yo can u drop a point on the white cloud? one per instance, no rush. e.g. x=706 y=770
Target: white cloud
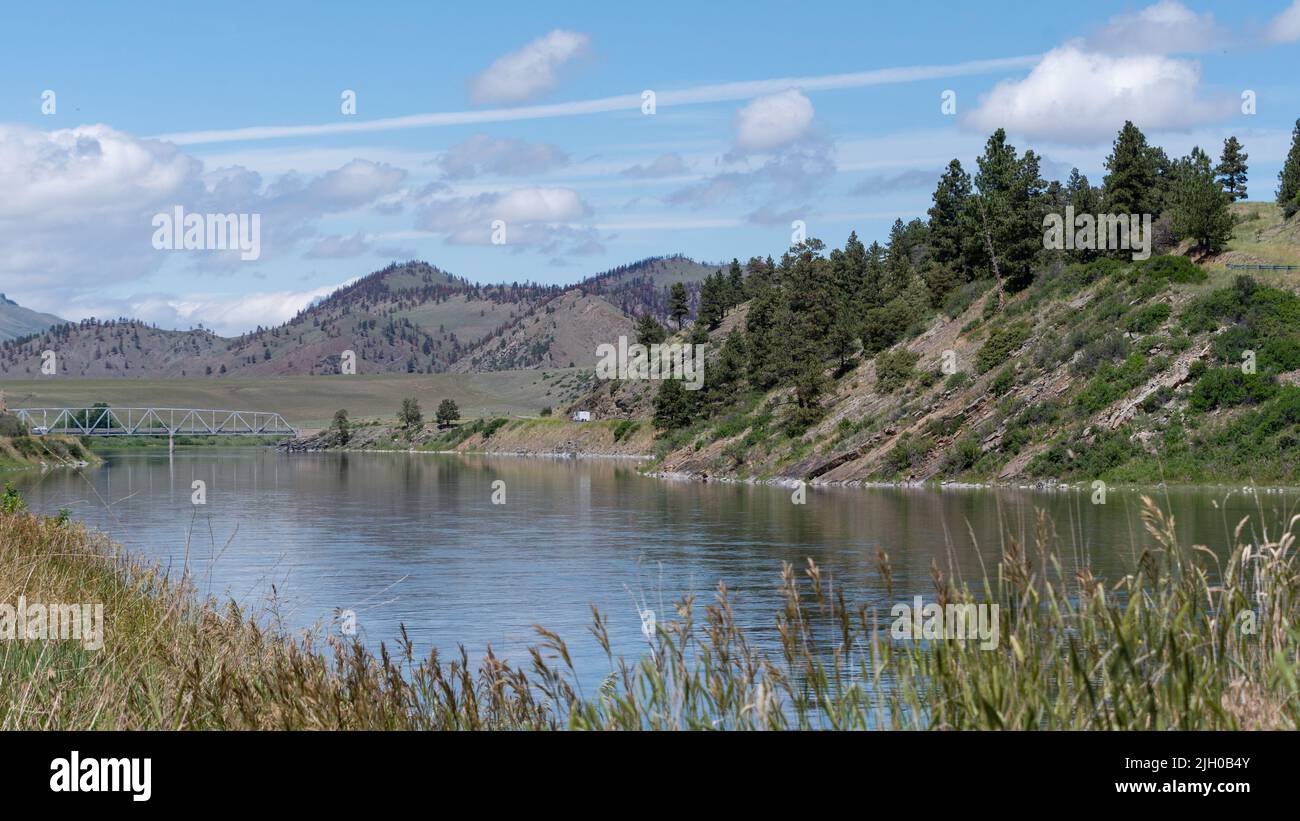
x=77 y=202
x=1285 y=28
x=228 y=315
x=1076 y=96
x=1167 y=27
x=532 y=217
x=506 y=156
x=532 y=70
x=773 y=121
x=77 y=206
x=89 y=169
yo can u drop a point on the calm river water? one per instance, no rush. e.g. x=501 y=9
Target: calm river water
x=416 y=539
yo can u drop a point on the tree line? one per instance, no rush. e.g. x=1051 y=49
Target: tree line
x=812 y=312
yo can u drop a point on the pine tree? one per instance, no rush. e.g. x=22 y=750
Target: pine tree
x=847 y=269
x=949 y=224
x=678 y=305
x=342 y=430
x=712 y=301
x=1288 y=192
x=873 y=280
x=1161 y=199
x=726 y=374
x=409 y=414
x=1009 y=210
x=768 y=353
x=1080 y=194
x=1232 y=170
x=448 y=412
x=672 y=405
x=735 y=284
x=649 y=331
x=1130 y=182
x=809 y=290
x=1200 y=204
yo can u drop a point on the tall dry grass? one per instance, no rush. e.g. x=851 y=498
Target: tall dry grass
x=1162 y=647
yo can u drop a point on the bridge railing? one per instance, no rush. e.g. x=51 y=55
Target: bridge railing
x=1237 y=266
x=103 y=421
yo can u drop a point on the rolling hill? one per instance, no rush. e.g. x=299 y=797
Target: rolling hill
x=406 y=318
x=16 y=321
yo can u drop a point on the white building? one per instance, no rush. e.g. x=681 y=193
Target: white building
x=582 y=416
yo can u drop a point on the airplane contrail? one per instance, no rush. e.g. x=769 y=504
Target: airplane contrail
x=720 y=92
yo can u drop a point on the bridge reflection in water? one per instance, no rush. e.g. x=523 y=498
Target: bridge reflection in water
x=168 y=422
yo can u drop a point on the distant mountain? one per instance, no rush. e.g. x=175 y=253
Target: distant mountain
x=405 y=318
x=16 y=321
x=643 y=286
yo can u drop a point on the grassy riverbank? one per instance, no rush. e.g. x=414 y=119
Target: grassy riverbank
x=18 y=452
x=1167 y=646
x=547 y=435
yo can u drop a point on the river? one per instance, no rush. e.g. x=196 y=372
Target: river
x=417 y=539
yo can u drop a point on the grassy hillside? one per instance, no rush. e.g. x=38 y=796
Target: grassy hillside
x=309 y=402
x=407 y=318
x=16 y=321
x=1110 y=370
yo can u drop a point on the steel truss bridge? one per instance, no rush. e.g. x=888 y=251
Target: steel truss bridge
x=169 y=422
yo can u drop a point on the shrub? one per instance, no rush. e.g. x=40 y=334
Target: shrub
x=1280 y=355
x=1229 y=387
x=12 y=501
x=10 y=425
x=1173 y=268
x=959 y=300
x=894 y=369
x=1107 y=349
x=886 y=325
x=963 y=456
x=624 y=428
x=1158 y=399
x=1112 y=382
x=1148 y=318
x=907 y=454
x=1003 y=382
x=999 y=345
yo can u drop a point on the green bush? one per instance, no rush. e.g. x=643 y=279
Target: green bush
x=1173 y=268
x=1229 y=387
x=10 y=425
x=1003 y=382
x=999 y=345
x=894 y=369
x=1147 y=319
x=1280 y=355
x=959 y=300
x=1112 y=382
x=1109 y=348
x=907 y=454
x=624 y=428
x=963 y=456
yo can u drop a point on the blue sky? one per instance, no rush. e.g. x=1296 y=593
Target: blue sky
x=150 y=100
